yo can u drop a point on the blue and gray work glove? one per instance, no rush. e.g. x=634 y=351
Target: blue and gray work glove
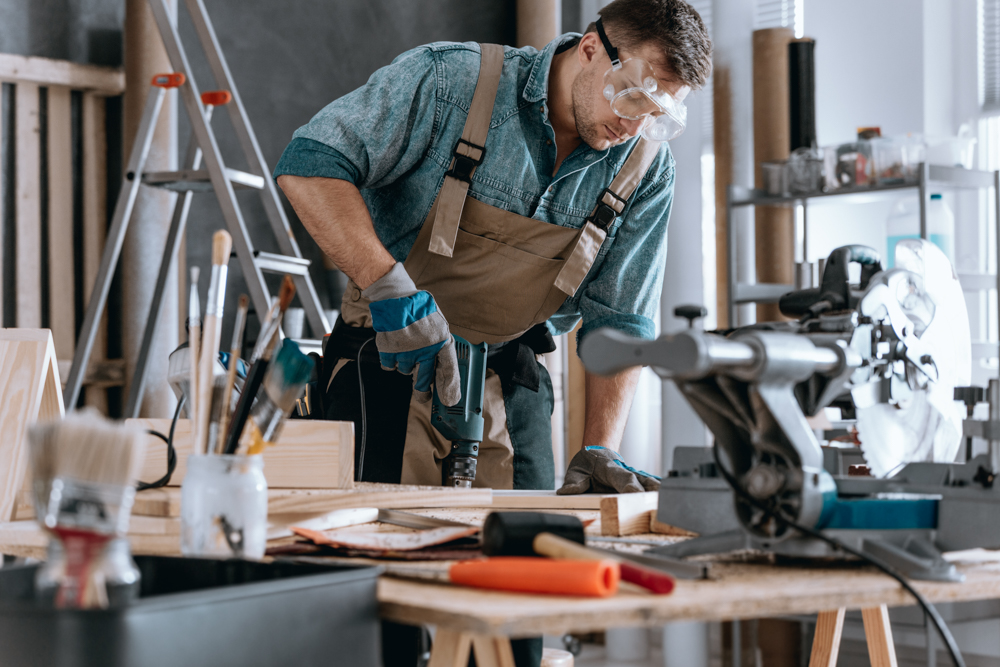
x=601 y=470
x=411 y=334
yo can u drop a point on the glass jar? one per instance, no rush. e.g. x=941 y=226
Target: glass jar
x=224 y=506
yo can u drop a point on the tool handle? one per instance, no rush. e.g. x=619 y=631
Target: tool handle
x=250 y=388
x=526 y=574
x=547 y=544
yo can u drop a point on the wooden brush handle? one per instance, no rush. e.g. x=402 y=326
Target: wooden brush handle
x=547 y=544
x=222 y=244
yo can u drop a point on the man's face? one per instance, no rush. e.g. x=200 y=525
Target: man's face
x=598 y=126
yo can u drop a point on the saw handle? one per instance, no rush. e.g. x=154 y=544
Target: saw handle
x=834 y=292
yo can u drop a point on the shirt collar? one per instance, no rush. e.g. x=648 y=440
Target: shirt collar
x=537 y=87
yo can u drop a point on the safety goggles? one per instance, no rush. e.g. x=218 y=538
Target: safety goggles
x=634 y=93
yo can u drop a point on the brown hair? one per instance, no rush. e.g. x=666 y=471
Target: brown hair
x=672 y=25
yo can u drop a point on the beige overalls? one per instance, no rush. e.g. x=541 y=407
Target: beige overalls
x=494 y=275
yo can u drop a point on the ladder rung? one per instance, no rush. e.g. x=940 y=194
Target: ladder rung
x=107 y=373
x=275 y=263
x=198 y=180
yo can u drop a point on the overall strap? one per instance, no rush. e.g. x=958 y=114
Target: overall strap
x=469 y=153
x=610 y=203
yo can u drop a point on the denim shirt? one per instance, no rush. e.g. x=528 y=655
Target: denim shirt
x=394 y=138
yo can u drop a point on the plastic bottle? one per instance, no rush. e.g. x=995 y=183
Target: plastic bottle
x=904 y=223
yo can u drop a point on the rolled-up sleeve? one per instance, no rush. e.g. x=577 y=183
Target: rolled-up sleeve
x=625 y=295
x=375 y=134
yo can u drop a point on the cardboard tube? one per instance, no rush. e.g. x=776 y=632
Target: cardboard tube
x=775 y=226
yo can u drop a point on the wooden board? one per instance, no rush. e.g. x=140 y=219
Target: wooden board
x=95 y=222
x=826 y=640
x=628 y=513
x=878 y=633
x=310 y=454
x=62 y=308
x=546 y=500
x=28 y=217
x=736 y=590
x=29 y=391
x=49 y=72
x=167 y=502
x=27 y=539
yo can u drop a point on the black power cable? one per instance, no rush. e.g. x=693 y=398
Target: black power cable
x=171 y=452
x=364 y=417
x=929 y=609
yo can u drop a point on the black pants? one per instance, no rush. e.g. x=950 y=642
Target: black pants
x=380 y=436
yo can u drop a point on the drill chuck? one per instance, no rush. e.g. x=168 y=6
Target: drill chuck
x=460 y=465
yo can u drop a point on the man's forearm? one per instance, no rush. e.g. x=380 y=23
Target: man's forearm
x=334 y=213
x=608 y=400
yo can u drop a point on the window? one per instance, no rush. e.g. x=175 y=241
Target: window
x=779 y=14
x=989 y=55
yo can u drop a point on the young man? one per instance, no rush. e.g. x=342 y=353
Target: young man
x=501 y=195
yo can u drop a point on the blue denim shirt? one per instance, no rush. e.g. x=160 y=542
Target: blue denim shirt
x=394 y=139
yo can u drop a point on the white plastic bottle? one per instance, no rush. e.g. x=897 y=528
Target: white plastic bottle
x=904 y=223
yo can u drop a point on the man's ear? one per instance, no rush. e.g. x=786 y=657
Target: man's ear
x=589 y=49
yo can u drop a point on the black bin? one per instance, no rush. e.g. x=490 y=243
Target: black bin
x=194 y=612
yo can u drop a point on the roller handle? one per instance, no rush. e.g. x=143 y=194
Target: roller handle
x=590 y=578
x=546 y=544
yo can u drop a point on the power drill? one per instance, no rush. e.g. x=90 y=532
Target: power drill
x=463 y=423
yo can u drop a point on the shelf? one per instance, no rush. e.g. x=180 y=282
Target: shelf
x=955 y=176
x=973 y=282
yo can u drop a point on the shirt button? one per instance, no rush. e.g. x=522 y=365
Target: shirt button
x=542 y=109
x=356 y=294
x=550 y=189
x=548 y=141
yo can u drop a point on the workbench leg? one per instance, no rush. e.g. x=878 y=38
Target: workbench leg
x=492 y=651
x=881 y=650
x=826 y=641
x=450 y=649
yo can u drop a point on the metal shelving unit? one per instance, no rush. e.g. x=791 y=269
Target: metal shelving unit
x=737 y=196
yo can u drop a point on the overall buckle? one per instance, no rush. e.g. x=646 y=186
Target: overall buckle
x=604 y=215
x=465 y=165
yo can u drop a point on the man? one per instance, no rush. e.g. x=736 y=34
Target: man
x=501 y=195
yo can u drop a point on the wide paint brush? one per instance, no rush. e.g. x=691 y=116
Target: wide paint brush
x=84 y=470
x=222 y=244
x=258 y=369
x=286 y=377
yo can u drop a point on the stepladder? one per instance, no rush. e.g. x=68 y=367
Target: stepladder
x=215 y=177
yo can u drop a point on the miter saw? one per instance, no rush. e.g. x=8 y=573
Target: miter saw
x=889 y=349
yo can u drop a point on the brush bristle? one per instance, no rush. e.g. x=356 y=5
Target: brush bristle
x=87 y=447
x=287 y=293
x=222 y=247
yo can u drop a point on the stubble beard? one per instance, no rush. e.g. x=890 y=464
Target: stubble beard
x=590 y=131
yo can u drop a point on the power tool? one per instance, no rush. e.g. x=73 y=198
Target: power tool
x=463 y=423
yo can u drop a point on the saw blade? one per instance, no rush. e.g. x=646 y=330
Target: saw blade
x=927 y=425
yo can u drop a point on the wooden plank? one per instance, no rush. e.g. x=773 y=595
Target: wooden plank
x=826 y=641
x=310 y=454
x=62 y=307
x=492 y=651
x=660 y=528
x=28 y=391
x=736 y=590
x=48 y=72
x=628 y=513
x=878 y=632
x=28 y=218
x=167 y=501
x=27 y=537
x=95 y=222
x=544 y=500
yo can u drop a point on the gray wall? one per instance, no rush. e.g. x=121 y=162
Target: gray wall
x=288 y=58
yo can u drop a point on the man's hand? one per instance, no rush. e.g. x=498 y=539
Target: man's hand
x=411 y=334
x=600 y=470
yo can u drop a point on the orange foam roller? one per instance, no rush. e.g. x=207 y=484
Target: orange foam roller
x=591 y=578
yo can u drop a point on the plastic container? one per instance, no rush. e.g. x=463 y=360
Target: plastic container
x=224 y=506
x=904 y=223
x=953 y=151
x=202 y=613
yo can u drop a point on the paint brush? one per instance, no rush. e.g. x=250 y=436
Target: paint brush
x=222 y=244
x=194 y=340
x=84 y=470
x=234 y=359
x=286 y=377
x=258 y=369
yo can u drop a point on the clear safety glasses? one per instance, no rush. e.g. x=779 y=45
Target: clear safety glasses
x=634 y=93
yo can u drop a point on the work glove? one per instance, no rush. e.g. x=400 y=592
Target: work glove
x=601 y=470
x=411 y=334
